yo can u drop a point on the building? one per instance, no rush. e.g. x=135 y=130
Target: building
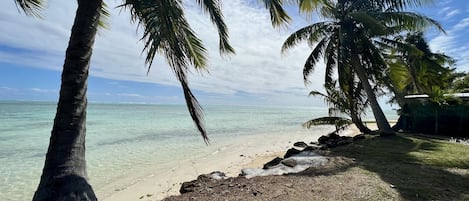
x=450 y=116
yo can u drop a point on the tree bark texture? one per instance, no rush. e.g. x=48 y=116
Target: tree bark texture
x=64 y=175
x=359 y=124
x=381 y=121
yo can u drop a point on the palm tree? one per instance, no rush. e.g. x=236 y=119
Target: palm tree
x=350 y=102
x=414 y=68
x=166 y=31
x=348 y=40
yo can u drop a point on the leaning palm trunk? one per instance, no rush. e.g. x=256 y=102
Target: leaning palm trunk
x=359 y=123
x=64 y=176
x=381 y=120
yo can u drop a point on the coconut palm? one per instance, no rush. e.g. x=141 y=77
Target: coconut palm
x=165 y=31
x=350 y=102
x=414 y=68
x=348 y=41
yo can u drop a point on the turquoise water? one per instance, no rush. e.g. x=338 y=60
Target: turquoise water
x=122 y=135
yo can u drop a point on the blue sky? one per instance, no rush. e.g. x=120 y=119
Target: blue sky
x=32 y=53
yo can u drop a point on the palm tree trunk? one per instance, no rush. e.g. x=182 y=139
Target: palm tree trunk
x=381 y=121
x=359 y=124
x=64 y=176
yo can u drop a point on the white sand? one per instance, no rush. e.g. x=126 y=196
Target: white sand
x=249 y=151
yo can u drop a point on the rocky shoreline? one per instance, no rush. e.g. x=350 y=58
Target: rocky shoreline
x=303 y=157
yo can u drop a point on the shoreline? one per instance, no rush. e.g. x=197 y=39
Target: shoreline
x=228 y=157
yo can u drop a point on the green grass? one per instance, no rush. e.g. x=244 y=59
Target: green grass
x=418 y=167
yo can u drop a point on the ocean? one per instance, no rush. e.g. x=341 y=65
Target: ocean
x=126 y=138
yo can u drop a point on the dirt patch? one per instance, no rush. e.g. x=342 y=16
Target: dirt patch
x=340 y=179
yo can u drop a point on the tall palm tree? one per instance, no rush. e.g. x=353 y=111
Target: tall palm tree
x=165 y=31
x=348 y=40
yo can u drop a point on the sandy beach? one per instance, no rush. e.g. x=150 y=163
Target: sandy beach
x=250 y=151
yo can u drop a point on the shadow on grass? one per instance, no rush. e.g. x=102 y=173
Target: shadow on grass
x=419 y=168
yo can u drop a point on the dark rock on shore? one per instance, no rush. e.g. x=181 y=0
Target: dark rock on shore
x=272 y=163
x=290 y=162
x=333 y=140
x=190 y=186
x=300 y=144
x=325 y=138
x=291 y=152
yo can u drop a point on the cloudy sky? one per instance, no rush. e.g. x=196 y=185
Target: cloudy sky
x=32 y=54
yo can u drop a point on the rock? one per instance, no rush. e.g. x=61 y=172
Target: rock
x=358 y=137
x=333 y=140
x=216 y=175
x=311 y=148
x=272 y=163
x=294 y=164
x=323 y=139
x=291 y=152
x=330 y=143
x=333 y=136
x=189 y=186
x=290 y=162
x=314 y=143
x=300 y=144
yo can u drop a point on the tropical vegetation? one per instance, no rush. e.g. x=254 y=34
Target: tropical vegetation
x=414 y=68
x=165 y=31
x=351 y=103
x=350 y=40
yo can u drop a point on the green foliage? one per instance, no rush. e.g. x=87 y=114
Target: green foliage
x=414 y=68
x=278 y=15
x=349 y=40
x=340 y=123
x=459 y=83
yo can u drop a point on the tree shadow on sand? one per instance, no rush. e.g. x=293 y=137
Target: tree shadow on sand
x=418 y=168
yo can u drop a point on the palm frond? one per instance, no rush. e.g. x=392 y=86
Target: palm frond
x=372 y=24
x=337 y=121
x=278 y=15
x=307 y=6
x=402 y=4
x=213 y=7
x=104 y=16
x=166 y=31
x=310 y=33
x=313 y=58
x=331 y=58
x=409 y=21
x=317 y=93
x=31 y=7
x=193 y=105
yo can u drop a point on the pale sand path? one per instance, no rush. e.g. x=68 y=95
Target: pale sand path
x=249 y=151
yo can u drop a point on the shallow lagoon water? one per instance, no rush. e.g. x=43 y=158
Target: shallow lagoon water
x=126 y=138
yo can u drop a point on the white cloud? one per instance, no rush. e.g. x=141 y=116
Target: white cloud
x=257 y=68
x=38 y=90
x=451 y=13
x=454 y=43
x=7 y=89
x=130 y=95
x=464 y=23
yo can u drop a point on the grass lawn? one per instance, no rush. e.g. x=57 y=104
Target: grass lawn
x=419 y=168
